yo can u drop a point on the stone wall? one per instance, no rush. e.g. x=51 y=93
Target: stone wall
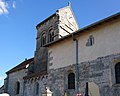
x=40 y=60
x=106 y=42
x=30 y=85
x=99 y=71
x=13 y=78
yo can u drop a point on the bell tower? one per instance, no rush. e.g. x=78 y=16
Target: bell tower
x=58 y=25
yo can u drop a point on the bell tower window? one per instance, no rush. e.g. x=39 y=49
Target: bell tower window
x=43 y=39
x=51 y=35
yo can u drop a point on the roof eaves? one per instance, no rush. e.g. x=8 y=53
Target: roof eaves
x=20 y=66
x=45 y=20
x=39 y=74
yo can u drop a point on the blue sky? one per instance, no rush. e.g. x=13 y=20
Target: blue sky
x=18 y=19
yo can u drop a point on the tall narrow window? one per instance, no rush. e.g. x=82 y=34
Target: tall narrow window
x=17 y=87
x=37 y=88
x=51 y=35
x=90 y=41
x=43 y=39
x=117 y=73
x=71 y=81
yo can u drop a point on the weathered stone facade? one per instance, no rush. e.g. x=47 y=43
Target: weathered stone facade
x=100 y=71
x=59 y=24
x=12 y=81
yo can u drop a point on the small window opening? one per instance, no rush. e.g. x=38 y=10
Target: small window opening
x=17 y=87
x=37 y=88
x=90 y=41
x=71 y=81
x=117 y=73
x=43 y=39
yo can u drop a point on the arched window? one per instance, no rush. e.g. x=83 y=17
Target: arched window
x=17 y=87
x=51 y=35
x=37 y=88
x=71 y=81
x=43 y=39
x=117 y=73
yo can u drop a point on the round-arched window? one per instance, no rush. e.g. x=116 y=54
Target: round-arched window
x=51 y=35
x=17 y=87
x=43 y=39
x=71 y=81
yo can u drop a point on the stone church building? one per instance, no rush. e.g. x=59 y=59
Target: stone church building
x=67 y=57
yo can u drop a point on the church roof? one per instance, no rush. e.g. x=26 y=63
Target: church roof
x=45 y=20
x=94 y=25
x=1 y=89
x=37 y=74
x=51 y=16
x=20 y=66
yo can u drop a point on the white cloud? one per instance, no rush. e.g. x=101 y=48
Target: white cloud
x=14 y=5
x=1 y=78
x=3 y=7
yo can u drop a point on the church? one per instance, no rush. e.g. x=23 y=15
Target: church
x=67 y=58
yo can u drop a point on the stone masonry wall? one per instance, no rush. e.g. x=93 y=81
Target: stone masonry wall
x=13 y=78
x=100 y=71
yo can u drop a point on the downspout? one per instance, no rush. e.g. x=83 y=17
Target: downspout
x=76 y=66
